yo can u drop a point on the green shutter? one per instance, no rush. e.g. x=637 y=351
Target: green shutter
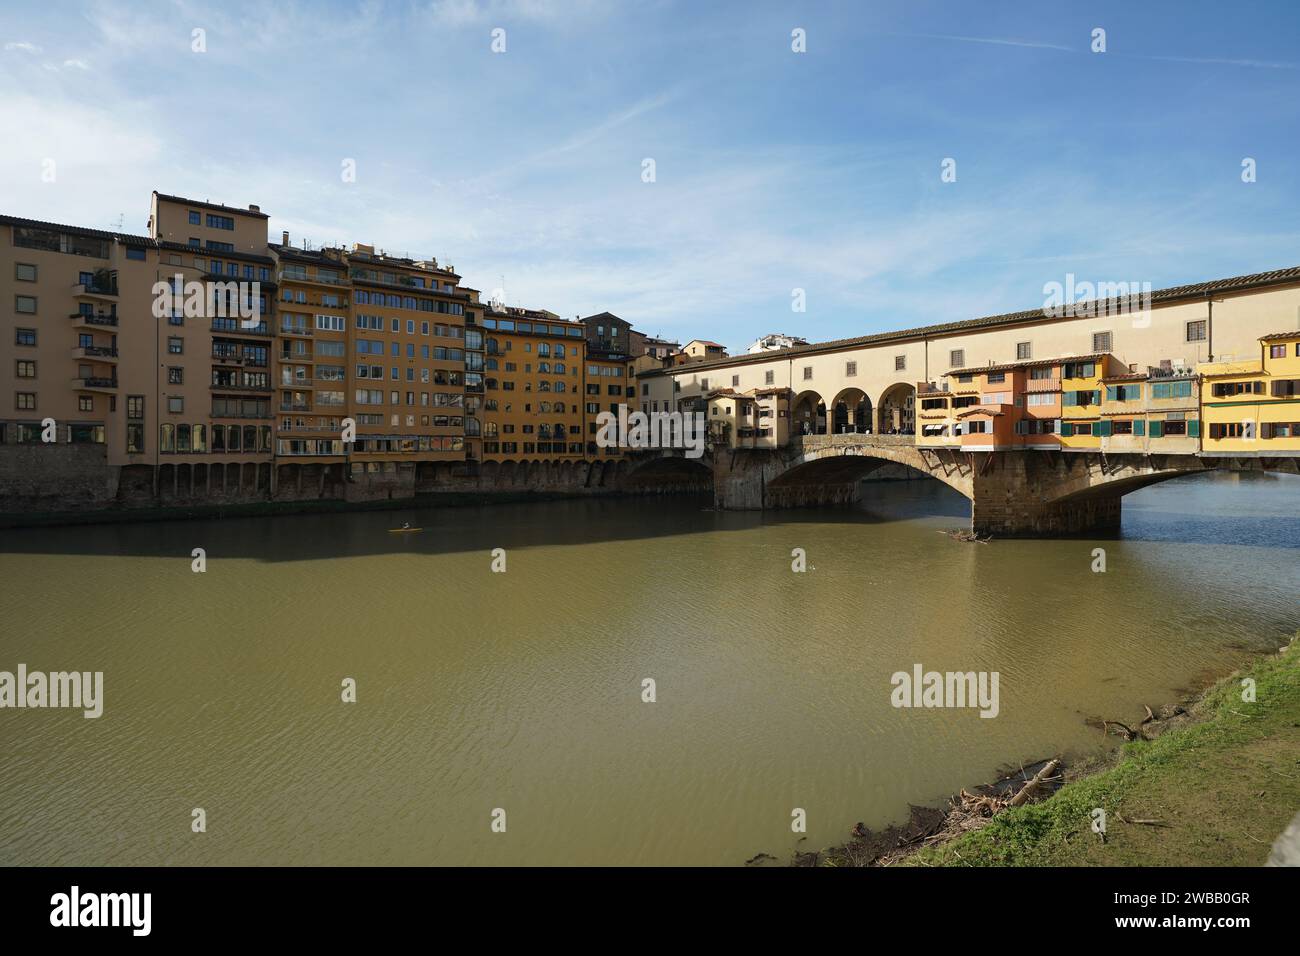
x=1194 y=428
x=1139 y=426
x=1102 y=429
x=1157 y=429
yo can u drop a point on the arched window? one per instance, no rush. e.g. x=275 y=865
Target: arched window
x=218 y=438
x=559 y=366
x=250 y=438
x=544 y=349
x=232 y=437
x=559 y=429
x=544 y=367
x=471 y=426
x=492 y=347
x=491 y=365
x=264 y=437
x=182 y=438
x=490 y=429
x=559 y=407
x=200 y=438
x=167 y=437
x=559 y=353
x=543 y=386
x=559 y=386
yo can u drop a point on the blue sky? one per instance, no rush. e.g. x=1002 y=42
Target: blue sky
x=774 y=170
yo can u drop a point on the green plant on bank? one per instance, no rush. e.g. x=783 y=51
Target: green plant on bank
x=1221 y=790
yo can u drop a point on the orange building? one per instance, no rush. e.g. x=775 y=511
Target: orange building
x=532 y=379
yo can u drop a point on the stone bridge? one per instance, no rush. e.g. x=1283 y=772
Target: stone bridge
x=1012 y=493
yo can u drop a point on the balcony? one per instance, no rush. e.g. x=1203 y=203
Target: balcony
x=96 y=353
x=240 y=387
x=295 y=407
x=92 y=384
x=101 y=287
x=297 y=383
x=297 y=330
x=1043 y=385
x=290 y=275
x=238 y=327
x=81 y=320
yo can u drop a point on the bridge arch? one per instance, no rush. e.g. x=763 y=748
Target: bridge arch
x=808 y=414
x=896 y=410
x=849 y=411
x=843 y=466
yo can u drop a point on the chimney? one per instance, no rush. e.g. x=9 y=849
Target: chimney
x=252 y=208
x=284 y=241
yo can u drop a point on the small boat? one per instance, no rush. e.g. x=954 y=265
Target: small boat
x=405 y=530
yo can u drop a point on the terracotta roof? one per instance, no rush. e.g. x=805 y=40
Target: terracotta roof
x=979 y=410
x=1279 y=335
x=1162 y=296
x=122 y=237
x=214 y=253
x=1035 y=363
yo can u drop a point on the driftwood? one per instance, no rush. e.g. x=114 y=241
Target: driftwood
x=961 y=534
x=1037 y=781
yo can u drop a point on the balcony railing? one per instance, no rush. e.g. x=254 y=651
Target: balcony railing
x=96 y=286
x=96 y=351
x=292 y=276
x=296 y=330
x=91 y=382
x=241 y=387
x=106 y=320
x=237 y=327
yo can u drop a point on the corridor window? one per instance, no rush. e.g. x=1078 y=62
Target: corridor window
x=900 y=362
x=1196 y=330
x=1024 y=351
x=957 y=358
x=850 y=368
x=1101 y=342
x=769 y=378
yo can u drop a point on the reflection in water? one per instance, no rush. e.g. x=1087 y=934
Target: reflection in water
x=522 y=690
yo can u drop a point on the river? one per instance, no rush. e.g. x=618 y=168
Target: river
x=522 y=690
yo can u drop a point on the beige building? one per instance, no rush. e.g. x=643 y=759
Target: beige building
x=871 y=382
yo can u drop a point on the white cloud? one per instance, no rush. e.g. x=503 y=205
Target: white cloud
x=23 y=47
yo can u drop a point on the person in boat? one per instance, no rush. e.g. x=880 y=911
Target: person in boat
x=406 y=526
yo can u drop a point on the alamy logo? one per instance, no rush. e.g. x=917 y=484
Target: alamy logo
x=204 y=300
x=950 y=689
x=80 y=690
x=1095 y=299
x=103 y=909
x=652 y=430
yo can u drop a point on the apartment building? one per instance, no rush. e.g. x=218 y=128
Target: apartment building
x=312 y=329
x=84 y=349
x=216 y=394
x=533 y=385
x=1252 y=407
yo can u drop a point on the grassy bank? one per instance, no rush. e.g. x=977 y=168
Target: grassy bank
x=1223 y=787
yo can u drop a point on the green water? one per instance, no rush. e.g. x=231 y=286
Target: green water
x=523 y=690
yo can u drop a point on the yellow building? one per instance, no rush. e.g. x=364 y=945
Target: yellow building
x=1155 y=411
x=533 y=402
x=608 y=382
x=1081 y=393
x=1252 y=408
